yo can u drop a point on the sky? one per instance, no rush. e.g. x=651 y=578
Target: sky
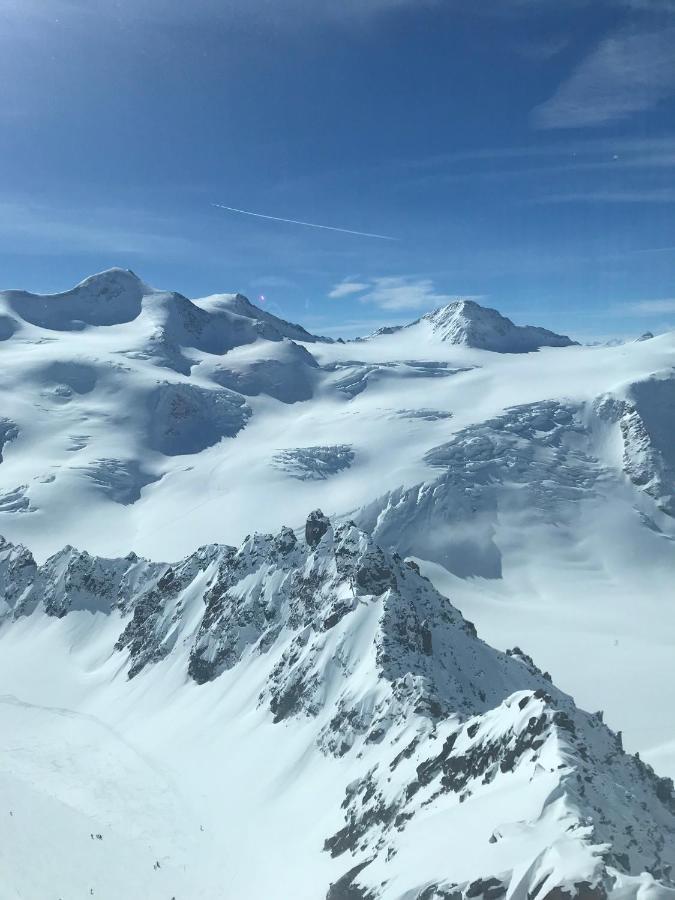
x=518 y=152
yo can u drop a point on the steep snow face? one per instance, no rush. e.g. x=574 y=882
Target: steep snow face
x=286 y=371
x=649 y=443
x=467 y=322
x=314 y=663
x=242 y=306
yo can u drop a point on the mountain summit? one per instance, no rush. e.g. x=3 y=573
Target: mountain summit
x=467 y=322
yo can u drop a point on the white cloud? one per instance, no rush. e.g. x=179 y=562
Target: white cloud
x=628 y=72
x=346 y=289
x=651 y=307
x=396 y=293
x=402 y=293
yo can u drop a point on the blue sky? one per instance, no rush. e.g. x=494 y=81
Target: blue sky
x=521 y=152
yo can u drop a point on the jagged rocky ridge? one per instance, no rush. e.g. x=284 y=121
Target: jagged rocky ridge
x=451 y=737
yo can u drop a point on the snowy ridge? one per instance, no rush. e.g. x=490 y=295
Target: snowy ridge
x=464 y=772
x=118 y=296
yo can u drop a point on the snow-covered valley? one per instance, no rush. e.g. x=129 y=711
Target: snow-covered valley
x=260 y=722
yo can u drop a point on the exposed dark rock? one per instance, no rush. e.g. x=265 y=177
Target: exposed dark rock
x=488 y=888
x=345 y=887
x=315 y=528
x=582 y=891
x=435 y=892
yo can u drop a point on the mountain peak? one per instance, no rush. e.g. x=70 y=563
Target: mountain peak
x=111 y=297
x=466 y=322
x=111 y=279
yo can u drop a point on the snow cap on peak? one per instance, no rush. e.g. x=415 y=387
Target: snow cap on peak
x=114 y=279
x=467 y=322
x=112 y=297
x=459 y=305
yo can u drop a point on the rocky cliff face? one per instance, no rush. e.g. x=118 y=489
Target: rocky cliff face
x=475 y=776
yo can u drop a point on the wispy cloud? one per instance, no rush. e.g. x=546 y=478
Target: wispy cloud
x=347 y=288
x=629 y=72
x=607 y=151
x=633 y=156
x=670 y=249
x=543 y=48
x=656 y=195
x=650 y=307
x=397 y=293
x=282 y=13
x=27 y=227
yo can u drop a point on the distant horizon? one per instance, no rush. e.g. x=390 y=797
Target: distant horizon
x=335 y=332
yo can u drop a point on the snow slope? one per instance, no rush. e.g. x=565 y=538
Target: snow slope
x=185 y=719
x=535 y=489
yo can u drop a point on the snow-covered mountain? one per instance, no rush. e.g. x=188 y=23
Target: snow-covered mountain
x=136 y=419
x=118 y=296
x=536 y=489
x=468 y=323
x=310 y=718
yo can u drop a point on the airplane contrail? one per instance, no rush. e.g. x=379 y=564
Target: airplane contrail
x=246 y=212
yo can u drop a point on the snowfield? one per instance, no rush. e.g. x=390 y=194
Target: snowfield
x=307 y=710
